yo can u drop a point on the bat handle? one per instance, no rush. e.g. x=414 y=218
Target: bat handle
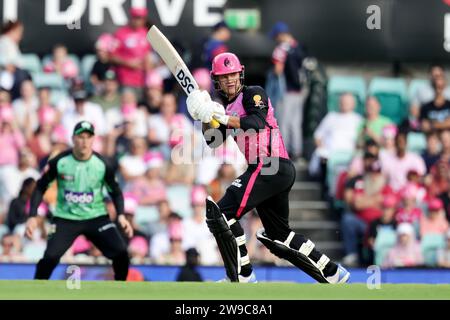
x=214 y=124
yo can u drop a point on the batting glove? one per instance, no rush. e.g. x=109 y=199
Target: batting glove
x=195 y=101
x=219 y=113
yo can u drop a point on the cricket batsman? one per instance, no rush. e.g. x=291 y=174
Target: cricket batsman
x=249 y=117
x=81 y=175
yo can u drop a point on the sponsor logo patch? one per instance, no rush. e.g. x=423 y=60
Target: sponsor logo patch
x=78 y=197
x=258 y=101
x=67 y=177
x=237 y=183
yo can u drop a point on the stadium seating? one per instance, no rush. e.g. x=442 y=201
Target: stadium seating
x=87 y=62
x=52 y=80
x=34 y=251
x=414 y=85
x=392 y=94
x=31 y=63
x=179 y=199
x=430 y=244
x=145 y=216
x=340 y=84
x=337 y=163
x=385 y=240
x=417 y=142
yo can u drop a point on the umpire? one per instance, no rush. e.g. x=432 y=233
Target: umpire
x=81 y=174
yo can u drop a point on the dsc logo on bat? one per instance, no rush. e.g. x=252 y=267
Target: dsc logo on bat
x=185 y=81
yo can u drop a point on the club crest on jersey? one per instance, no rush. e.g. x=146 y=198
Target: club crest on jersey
x=258 y=101
x=237 y=183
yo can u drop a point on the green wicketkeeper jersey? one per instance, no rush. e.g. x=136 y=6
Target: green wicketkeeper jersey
x=80 y=186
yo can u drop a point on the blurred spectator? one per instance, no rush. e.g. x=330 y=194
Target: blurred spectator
x=386 y=221
x=128 y=110
x=189 y=271
x=119 y=139
x=164 y=213
x=434 y=222
x=84 y=110
x=287 y=59
x=396 y=166
x=25 y=108
x=169 y=128
x=104 y=45
x=412 y=122
x=15 y=175
x=216 y=43
x=131 y=54
x=11 y=139
x=225 y=176
x=132 y=165
x=363 y=195
x=40 y=140
x=109 y=97
x=388 y=139
x=17 y=213
x=11 y=35
x=433 y=151
x=445 y=198
x=409 y=210
x=372 y=126
x=445 y=144
x=338 y=131
x=195 y=231
x=153 y=92
x=61 y=63
x=138 y=249
x=11 y=74
x=149 y=189
x=165 y=246
x=203 y=79
x=426 y=93
x=11 y=249
x=435 y=115
x=175 y=255
x=437 y=180
x=407 y=252
x=443 y=254
x=356 y=166
x=131 y=205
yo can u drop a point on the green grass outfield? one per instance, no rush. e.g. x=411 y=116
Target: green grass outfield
x=214 y=291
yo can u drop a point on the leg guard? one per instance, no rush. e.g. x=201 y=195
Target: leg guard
x=226 y=241
x=298 y=258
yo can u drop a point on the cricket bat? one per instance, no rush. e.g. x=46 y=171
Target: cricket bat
x=174 y=62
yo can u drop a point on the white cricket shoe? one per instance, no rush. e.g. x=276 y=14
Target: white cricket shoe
x=341 y=276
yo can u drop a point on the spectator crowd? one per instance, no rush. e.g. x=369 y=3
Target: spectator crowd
x=394 y=198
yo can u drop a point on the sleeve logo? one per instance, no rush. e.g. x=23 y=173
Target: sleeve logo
x=258 y=101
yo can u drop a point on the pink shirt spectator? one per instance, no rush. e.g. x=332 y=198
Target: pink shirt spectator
x=11 y=141
x=399 y=256
x=438 y=225
x=411 y=216
x=407 y=252
x=131 y=45
x=396 y=169
x=68 y=68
